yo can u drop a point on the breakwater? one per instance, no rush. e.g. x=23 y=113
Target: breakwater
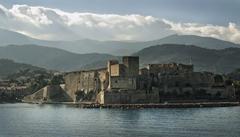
x=141 y=106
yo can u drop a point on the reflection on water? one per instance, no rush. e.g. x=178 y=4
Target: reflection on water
x=62 y=121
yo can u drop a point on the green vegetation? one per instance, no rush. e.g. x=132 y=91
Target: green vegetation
x=56 y=80
x=9 y=67
x=33 y=77
x=43 y=80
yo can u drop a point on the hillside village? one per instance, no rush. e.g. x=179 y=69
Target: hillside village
x=18 y=80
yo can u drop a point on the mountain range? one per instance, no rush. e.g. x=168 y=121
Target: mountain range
x=221 y=61
x=117 y=48
x=50 y=58
x=207 y=54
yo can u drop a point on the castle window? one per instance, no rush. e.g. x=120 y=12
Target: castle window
x=116 y=81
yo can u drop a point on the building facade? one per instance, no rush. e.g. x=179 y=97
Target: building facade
x=123 y=83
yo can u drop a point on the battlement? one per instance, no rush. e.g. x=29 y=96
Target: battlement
x=169 y=68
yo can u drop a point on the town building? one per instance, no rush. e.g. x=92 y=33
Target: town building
x=10 y=91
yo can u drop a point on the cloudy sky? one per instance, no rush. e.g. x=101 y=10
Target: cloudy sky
x=121 y=19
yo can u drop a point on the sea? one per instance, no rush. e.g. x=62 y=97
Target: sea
x=36 y=120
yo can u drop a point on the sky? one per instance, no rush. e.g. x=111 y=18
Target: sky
x=121 y=19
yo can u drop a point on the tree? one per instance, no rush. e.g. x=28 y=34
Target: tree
x=57 y=80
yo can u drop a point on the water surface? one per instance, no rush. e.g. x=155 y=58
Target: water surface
x=32 y=120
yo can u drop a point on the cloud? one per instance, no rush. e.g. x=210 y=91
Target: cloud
x=228 y=33
x=55 y=24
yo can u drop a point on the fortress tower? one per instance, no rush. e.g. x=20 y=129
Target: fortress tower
x=132 y=65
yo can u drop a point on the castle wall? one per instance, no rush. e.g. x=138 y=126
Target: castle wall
x=72 y=84
x=118 y=70
x=195 y=79
x=128 y=97
x=123 y=83
x=211 y=92
x=84 y=82
x=52 y=93
x=103 y=79
x=169 y=68
x=109 y=66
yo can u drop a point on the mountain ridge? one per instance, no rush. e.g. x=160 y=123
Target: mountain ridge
x=50 y=58
x=220 y=61
x=118 y=48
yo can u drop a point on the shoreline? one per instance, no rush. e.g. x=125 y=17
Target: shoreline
x=143 y=106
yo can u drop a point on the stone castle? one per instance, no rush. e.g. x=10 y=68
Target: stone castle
x=125 y=83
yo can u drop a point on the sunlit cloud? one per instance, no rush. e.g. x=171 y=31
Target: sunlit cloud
x=228 y=33
x=47 y=23
x=55 y=24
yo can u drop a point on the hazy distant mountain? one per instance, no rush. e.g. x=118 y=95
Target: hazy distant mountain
x=50 y=58
x=204 y=55
x=113 y=47
x=204 y=42
x=224 y=60
x=9 y=67
x=10 y=37
x=80 y=46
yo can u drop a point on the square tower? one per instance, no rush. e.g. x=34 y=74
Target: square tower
x=132 y=65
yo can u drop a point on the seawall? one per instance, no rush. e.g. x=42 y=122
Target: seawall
x=141 y=106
